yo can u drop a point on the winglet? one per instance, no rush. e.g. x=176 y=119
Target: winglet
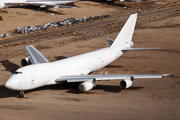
x=166 y=74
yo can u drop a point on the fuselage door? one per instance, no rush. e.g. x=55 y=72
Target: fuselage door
x=32 y=80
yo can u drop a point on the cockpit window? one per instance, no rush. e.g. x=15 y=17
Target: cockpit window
x=17 y=72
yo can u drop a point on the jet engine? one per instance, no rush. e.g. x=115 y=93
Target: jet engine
x=126 y=83
x=86 y=86
x=25 y=61
x=2 y=5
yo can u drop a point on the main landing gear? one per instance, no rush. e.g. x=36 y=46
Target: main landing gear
x=21 y=94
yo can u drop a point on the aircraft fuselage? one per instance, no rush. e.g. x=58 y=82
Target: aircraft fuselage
x=37 y=75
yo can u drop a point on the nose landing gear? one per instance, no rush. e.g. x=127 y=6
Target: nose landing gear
x=21 y=94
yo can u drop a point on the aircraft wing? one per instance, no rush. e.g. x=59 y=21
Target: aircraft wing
x=83 y=78
x=140 y=48
x=43 y=5
x=35 y=56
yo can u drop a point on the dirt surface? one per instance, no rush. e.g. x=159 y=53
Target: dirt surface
x=146 y=99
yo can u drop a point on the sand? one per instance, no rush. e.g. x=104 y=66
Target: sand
x=146 y=99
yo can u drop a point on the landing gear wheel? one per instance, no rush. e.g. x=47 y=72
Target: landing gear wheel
x=21 y=94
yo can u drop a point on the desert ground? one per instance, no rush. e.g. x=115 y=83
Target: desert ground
x=157 y=26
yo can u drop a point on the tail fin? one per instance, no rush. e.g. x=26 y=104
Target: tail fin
x=127 y=31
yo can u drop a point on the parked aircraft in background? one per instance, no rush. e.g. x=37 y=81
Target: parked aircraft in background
x=77 y=68
x=41 y=3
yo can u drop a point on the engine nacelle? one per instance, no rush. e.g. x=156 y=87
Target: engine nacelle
x=126 y=83
x=26 y=61
x=2 y=5
x=86 y=86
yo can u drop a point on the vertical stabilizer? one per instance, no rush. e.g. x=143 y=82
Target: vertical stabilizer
x=127 y=31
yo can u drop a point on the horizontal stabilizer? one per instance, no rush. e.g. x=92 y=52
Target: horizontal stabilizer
x=110 y=41
x=140 y=48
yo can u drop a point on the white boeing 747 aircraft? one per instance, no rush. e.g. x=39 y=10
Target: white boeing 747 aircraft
x=41 y=3
x=77 y=68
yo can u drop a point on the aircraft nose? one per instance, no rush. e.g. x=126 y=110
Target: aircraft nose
x=12 y=83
